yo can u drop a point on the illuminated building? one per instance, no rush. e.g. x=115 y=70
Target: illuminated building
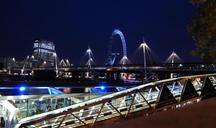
x=44 y=52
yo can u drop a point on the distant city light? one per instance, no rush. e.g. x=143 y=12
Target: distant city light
x=13 y=59
x=54 y=54
x=32 y=57
x=180 y=65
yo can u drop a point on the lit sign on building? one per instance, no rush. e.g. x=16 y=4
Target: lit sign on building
x=49 y=46
x=44 y=50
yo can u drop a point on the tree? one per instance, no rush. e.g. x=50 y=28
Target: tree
x=203 y=30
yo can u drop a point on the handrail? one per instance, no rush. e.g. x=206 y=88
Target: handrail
x=26 y=97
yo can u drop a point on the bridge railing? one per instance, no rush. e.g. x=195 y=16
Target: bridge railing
x=24 y=106
x=121 y=104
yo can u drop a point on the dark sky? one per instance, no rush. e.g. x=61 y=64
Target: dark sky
x=73 y=25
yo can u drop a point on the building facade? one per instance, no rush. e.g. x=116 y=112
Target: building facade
x=44 y=53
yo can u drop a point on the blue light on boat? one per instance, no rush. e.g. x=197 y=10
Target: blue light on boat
x=102 y=87
x=22 y=89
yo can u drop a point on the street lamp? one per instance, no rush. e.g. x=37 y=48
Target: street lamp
x=44 y=63
x=56 y=63
x=33 y=57
x=144 y=46
x=13 y=59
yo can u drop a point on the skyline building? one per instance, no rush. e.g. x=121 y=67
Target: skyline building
x=44 y=52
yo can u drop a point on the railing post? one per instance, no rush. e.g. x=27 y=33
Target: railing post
x=115 y=109
x=130 y=105
x=62 y=121
x=144 y=99
x=149 y=93
x=78 y=119
x=98 y=114
x=173 y=86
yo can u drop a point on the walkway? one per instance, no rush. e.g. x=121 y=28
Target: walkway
x=199 y=115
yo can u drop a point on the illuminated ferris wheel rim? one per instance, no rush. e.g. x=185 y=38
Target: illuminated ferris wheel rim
x=121 y=35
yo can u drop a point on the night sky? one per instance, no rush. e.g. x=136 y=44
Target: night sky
x=73 y=25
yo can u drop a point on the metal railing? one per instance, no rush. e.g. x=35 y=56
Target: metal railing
x=120 y=104
x=23 y=106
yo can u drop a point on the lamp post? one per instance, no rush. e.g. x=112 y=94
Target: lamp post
x=13 y=59
x=56 y=63
x=33 y=57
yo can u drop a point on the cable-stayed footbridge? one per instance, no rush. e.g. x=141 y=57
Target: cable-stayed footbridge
x=75 y=110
